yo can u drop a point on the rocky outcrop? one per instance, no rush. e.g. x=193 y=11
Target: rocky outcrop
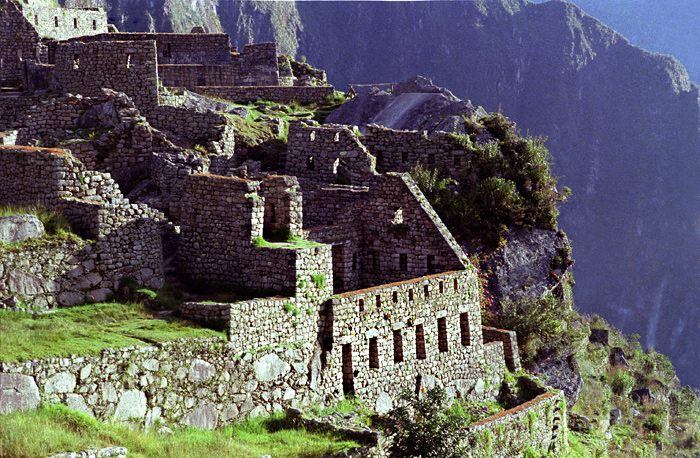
x=16 y=228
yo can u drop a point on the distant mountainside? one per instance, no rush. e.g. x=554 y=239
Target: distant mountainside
x=623 y=125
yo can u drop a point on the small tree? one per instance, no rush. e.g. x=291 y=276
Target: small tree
x=426 y=428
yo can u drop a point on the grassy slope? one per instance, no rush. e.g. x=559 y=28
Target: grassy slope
x=86 y=330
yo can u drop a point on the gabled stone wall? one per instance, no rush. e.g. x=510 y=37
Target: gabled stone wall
x=328 y=155
x=129 y=67
x=256 y=65
x=18 y=41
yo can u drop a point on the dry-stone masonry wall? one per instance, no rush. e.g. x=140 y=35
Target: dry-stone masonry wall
x=280 y=94
x=397 y=235
x=65 y=23
x=12 y=109
x=510 y=345
x=222 y=217
x=395 y=149
x=129 y=67
x=411 y=334
x=178 y=48
x=127 y=236
x=200 y=383
x=18 y=41
x=539 y=424
x=256 y=65
x=328 y=155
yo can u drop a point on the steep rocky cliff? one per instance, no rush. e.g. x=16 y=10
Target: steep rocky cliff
x=623 y=124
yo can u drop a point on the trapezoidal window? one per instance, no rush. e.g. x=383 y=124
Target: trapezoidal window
x=442 y=335
x=76 y=62
x=431 y=264
x=75 y=22
x=420 y=342
x=55 y=21
x=464 y=328
x=456 y=285
x=348 y=375
x=373 y=353
x=310 y=162
x=426 y=291
x=94 y=24
x=379 y=301
x=361 y=305
x=431 y=159
x=36 y=19
x=404 y=157
x=398 y=346
x=19 y=58
x=128 y=61
x=410 y=294
x=395 y=296
x=403 y=262
x=441 y=287
x=398 y=216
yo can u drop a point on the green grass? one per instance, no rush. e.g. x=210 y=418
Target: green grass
x=86 y=330
x=56 y=225
x=292 y=243
x=52 y=429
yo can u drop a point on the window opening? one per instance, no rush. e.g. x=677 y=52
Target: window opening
x=464 y=328
x=128 y=61
x=379 y=301
x=398 y=346
x=76 y=62
x=420 y=342
x=398 y=216
x=404 y=157
x=395 y=296
x=373 y=353
x=456 y=285
x=442 y=334
x=348 y=383
x=361 y=305
x=310 y=162
x=426 y=291
x=410 y=294
x=75 y=22
x=55 y=21
x=94 y=24
x=431 y=263
x=441 y=287
x=403 y=261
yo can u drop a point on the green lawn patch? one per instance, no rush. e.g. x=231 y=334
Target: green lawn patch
x=87 y=330
x=52 y=429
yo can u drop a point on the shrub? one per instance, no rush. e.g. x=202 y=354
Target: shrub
x=622 y=383
x=425 y=427
x=653 y=423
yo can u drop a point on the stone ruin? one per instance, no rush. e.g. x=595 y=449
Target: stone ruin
x=363 y=290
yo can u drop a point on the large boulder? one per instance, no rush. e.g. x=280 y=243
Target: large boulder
x=18 y=392
x=205 y=417
x=16 y=228
x=270 y=367
x=132 y=404
x=561 y=373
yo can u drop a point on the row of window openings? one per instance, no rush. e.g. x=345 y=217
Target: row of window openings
x=411 y=295
x=55 y=22
x=76 y=61
x=403 y=262
x=430 y=159
x=443 y=346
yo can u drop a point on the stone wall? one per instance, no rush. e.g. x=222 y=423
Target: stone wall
x=212 y=130
x=280 y=94
x=18 y=41
x=322 y=204
x=510 y=345
x=129 y=67
x=12 y=110
x=191 y=76
x=283 y=206
x=256 y=65
x=397 y=235
x=200 y=383
x=178 y=48
x=394 y=149
x=328 y=155
x=65 y=23
x=539 y=424
x=221 y=219
x=127 y=236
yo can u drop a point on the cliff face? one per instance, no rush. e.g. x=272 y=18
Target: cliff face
x=623 y=125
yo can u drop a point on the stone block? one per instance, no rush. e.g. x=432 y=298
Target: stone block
x=63 y=382
x=270 y=367
x=132 y=404
x=205 y=417
x=16 y=228
x=18 y=392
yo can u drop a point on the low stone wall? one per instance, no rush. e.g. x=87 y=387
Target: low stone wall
x=212 y=130
x=202 y=383
x=539 y=424
x=280 y=94
x=510 y=345
x=12 y=110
